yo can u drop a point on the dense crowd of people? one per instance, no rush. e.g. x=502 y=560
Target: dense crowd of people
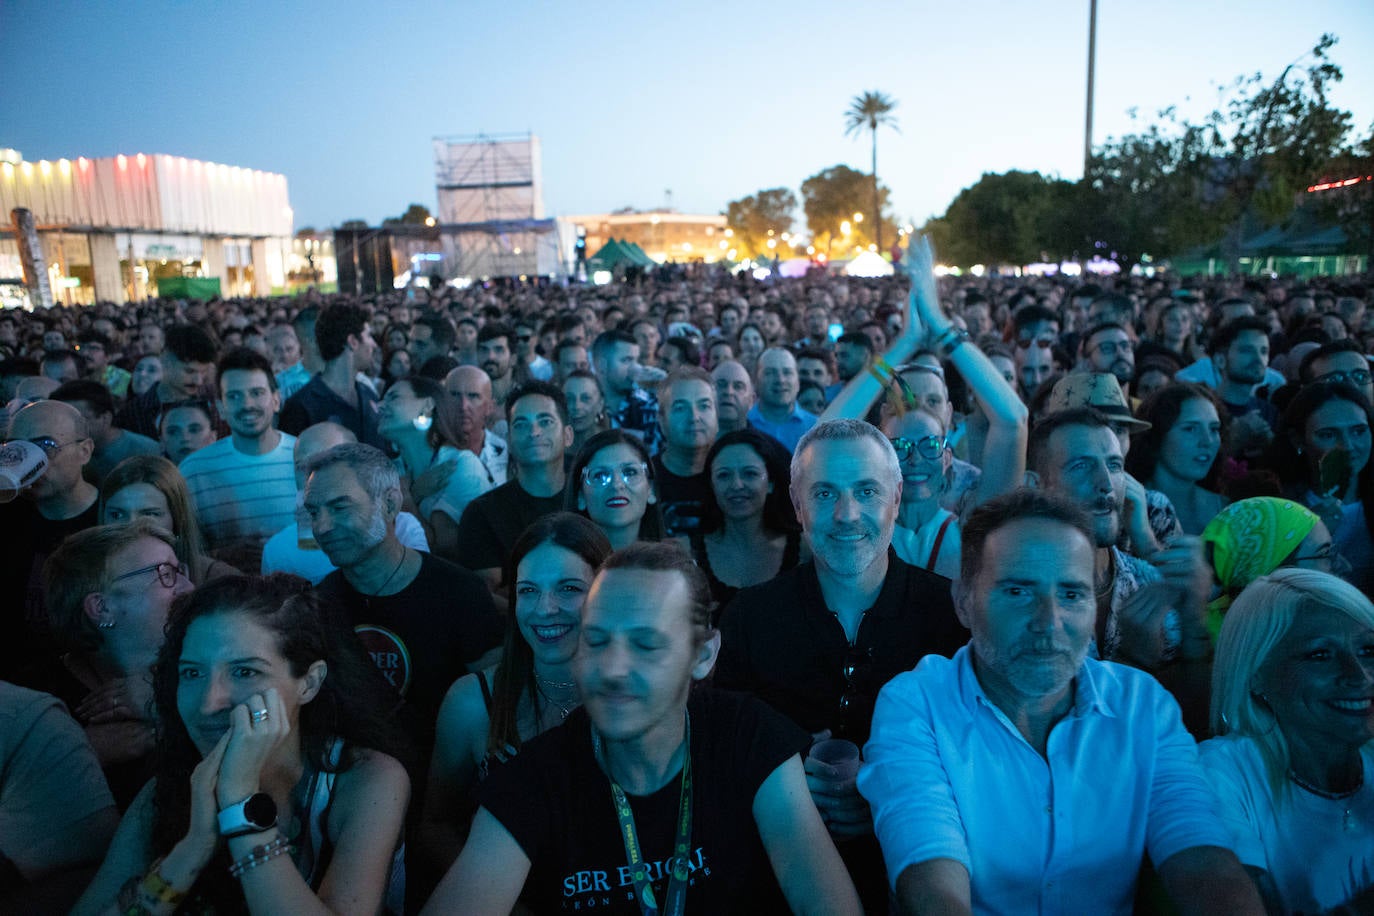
x=693 y=591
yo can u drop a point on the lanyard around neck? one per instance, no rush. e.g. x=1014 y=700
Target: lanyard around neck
x=675 y=901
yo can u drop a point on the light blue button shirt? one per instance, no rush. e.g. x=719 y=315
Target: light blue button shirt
x=950 y=777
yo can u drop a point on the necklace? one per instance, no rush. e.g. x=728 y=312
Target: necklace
x=563 y=711
x=404 y=552
x=1348 y=823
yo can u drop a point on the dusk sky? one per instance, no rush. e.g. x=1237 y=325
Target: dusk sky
x=710 y=100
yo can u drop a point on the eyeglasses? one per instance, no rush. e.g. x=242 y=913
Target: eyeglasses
x=930 y=447
x=1113 y=347
x=47 y=443
x=855 y=668
x=1353 y=377
x=524 y=338
x=167 y=573
x=601 y=478
x=1043 y=343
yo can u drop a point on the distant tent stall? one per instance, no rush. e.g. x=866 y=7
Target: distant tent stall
x=616 y=256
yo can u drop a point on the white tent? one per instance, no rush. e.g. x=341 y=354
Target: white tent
x=868 y=264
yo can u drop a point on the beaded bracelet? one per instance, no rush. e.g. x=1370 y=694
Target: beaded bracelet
x=258 y=855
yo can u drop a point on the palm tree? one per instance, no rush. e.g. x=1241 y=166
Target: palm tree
x=870 y=111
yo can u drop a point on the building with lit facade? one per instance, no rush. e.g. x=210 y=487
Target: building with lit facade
x=665 y=235
x=111 y=228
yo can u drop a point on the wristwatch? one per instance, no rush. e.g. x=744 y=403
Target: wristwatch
x=254 y=814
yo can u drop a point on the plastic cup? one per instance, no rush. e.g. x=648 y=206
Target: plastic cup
x=21 y=464
x=838 y=760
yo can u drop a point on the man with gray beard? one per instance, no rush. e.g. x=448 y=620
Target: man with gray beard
x=1025 y=776
x=425 y=622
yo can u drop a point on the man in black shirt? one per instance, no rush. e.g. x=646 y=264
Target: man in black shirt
x=537 y=415
x=425 y=622
x=335 y=393
x=57 y=504
x=687 y=416
x=818 y=642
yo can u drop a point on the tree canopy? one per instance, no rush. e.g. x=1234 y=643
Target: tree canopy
x=830 y=198
x=753 y=218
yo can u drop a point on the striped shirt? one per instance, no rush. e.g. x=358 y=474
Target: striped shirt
x=241 y=499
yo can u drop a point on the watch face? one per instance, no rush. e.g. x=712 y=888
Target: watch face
x=260 y=810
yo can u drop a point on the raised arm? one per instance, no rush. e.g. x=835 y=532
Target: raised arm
x=807 y=866
x=1003 y=460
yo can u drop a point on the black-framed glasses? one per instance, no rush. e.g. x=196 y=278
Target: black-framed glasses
x=601 y=478
x=48 y=444
x=167 y=573
x=1359 y=377
x=1043 y=343
x=1113 y=347
x=930 y=447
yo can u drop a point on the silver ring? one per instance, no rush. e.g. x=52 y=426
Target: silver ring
x=258 y=715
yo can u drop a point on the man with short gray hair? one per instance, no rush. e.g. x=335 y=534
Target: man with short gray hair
x=819 y=641
x=424 y=621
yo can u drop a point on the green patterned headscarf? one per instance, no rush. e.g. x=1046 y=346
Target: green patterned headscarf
x=1249 y=539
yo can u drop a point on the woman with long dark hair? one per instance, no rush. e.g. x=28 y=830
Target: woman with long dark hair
x=489 y=714
x=612 y=483
x=1321 y=453
x=1180 y=455
x=277 y=787
x=749 y=531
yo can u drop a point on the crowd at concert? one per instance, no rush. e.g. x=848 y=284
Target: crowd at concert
x=693 y=591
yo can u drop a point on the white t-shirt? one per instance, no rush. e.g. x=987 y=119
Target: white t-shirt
x=1318 y=855
x=283 y=552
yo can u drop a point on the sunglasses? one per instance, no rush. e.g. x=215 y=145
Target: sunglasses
x=601 y=478
x=1353 y=377
x=930 y=447
x=167 y=573
x=855 y=667
x=1043 y=343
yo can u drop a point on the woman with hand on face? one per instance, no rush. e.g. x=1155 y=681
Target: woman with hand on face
x=652 y=797
x=489 y=715
x=1181 y=454
x=1293 y=763
x=108 y=590
x=418 y=417
x=273 y=792
x=611 y=482
x=1321 y=452
x=151 y=487
x=749 y=531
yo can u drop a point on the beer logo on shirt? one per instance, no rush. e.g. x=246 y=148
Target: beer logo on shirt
x=389 y=653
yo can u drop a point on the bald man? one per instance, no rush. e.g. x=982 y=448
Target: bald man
x=59 y=503
x=293 y=549
x=471 y=388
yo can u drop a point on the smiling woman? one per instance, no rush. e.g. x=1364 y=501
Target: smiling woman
x=271 y=717
x=1293 y=766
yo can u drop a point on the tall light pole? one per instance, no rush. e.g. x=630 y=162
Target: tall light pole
x=1092 y=60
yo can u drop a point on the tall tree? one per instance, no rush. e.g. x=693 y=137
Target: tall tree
x=869 y=111
x=753 y=218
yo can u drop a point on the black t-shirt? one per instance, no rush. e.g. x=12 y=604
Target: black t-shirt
x=423 y=637
x=680 y=499
x=556 y=803
x=29 y=540
x=492 y=522
x=781 y=643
